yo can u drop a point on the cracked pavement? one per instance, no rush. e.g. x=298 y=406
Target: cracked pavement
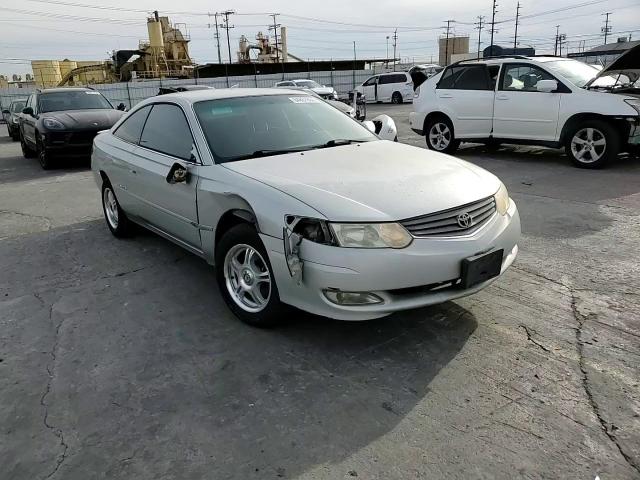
x=119 y=359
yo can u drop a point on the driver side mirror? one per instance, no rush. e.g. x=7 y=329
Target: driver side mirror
x=28 y=111
x=121 y=107
x=178 y=174
x=546 y=86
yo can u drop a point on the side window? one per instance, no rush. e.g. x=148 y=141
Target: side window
x=131 y=128
x=29 y=101
x=448 y=78
x=523 y=78
x=167 y=131
x=369 y=82
x=473 y=77
x=400 y=78
x=384 y=79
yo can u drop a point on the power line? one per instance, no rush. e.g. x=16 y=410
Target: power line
x=226 y=26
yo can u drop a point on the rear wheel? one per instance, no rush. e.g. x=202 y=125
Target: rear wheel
x=396 y=98
x=592 y=144
x=26 y=150
x=115 y=217
x=245 y=277
x=440 y=137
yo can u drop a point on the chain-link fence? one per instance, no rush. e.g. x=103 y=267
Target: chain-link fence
x=130 y=93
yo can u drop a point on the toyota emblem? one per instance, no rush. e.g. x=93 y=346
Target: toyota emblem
x=464 y=220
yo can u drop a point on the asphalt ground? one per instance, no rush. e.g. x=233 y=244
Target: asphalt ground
x=119 y=359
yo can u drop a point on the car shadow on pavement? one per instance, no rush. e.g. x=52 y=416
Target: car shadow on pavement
x=152 y=377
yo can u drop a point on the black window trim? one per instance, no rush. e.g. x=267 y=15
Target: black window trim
x=191 y=162
x=150 y=106
x=562 y=88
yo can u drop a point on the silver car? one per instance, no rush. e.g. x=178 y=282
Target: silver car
x=295 y=203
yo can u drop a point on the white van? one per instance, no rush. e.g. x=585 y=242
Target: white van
x=396 y=87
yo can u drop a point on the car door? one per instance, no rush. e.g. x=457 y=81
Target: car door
x=369 y=89
x=385 y=87
x=465 y=93
x=29 y=121
x=521 y=111
x=170 y=207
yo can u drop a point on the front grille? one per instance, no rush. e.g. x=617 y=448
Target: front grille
x=445 y=223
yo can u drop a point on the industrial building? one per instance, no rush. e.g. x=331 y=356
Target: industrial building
x=448 y=46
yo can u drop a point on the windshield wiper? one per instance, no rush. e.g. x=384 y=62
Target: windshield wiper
x=267 y=153
x=338 y=142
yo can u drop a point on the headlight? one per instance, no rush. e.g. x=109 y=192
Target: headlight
x=502 y=199
x=634 y=103
x=416 y=93
x=370 y=235
x=52 y=123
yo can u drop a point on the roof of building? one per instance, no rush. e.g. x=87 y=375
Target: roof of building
x=617 y=46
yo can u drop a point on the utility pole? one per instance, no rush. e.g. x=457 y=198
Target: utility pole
x=493 y=26
x=387 y=51
x=561 y=38
x=217 y=35
x=353 y=72
x=395 y=44
x=226 y=26
x=275 y=33
x=555 y=48
x=479 y=28
x=446 y=43
x=607 y=28
x=515 y=36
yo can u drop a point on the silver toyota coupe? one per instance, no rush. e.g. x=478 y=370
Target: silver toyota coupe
x=295 y=203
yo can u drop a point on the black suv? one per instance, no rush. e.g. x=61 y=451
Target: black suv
x=64 y=121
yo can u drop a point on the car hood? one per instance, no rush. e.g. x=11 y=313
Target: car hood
x=373 y=181
x=323 y=90
x=100 y=119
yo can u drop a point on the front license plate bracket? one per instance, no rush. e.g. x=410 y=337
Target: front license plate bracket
x=480 y=268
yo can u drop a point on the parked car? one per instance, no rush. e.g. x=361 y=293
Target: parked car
x=394 y=87
x=544 y=101
x=328 y=93
x=296 y=203
x=12 y=117
x=63 y=121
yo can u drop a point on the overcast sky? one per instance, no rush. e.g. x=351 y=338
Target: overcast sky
x=54 y=33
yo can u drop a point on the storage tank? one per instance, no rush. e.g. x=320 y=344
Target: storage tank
x=156 y=40
x=283 y=43
x=66 y=66
x=46 y=73
x=94 y=76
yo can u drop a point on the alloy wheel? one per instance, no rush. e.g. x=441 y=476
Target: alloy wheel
x=588 y=145
x=110 y=207
x=247 y=278
x=440 y=136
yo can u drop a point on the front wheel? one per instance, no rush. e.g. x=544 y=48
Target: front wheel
x=592 y=144
x=26 y=150
x=44 y=156
x=117 y=221
x=245 y=277
x=440 y=137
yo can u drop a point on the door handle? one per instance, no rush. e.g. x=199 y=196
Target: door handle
x=502 y=97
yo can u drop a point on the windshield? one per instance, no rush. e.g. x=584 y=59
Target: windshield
x=16 y=107
x=246 y=127
x=72 y=100
x=307 y=84
x=576 y=72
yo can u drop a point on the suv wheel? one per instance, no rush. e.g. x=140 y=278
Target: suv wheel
x=115 y=217
x=245 y=277
x=26 y=150
x=440 y=137
x=592 y=144
x=44 y=157
x=396 y=98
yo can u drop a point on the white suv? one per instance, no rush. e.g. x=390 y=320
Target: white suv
x=394 y=87
x=548 y=101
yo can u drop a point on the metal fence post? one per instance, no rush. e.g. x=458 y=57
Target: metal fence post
x=128 y=95
x=331 y=65
x=255 y=74
x=226 y=74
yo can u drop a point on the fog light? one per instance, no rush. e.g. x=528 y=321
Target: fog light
x=351 y=298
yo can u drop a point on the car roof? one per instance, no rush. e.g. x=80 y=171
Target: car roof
x=64 y=89
x=16 y=100
x=510 y=58
x=194 y=96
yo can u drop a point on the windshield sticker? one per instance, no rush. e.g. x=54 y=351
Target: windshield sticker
x=304 y=99
x=92 y=93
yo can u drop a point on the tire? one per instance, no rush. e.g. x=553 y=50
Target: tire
x=44 y=156
x=256 y=306
x=396 y=98
x=592 y=144
x=440 y=137
x=26 y=150
x=117 y=221
x=493 y=146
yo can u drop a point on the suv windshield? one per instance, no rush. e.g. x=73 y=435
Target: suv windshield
x=576 y=72
x=72 y=100
x=16 y=107
x=249 y=127
x=306 y=84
